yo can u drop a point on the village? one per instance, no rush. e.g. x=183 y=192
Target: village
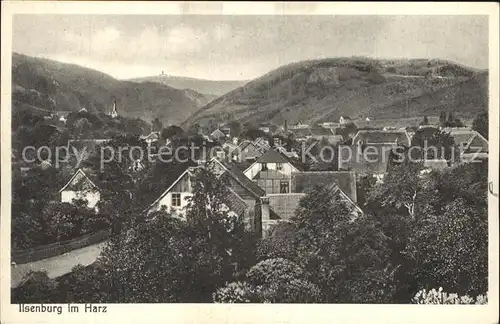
x=291 y=159
x=267 y=176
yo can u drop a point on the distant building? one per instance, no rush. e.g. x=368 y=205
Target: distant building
x=472 y=145
x=113 y=112
x=246 y=151
x=298 y=126
x=375 y=136
x=82 y=185
x=344 y=120
x=265 y=129
x=243 y=198
x=272 y=171
x=217 y=135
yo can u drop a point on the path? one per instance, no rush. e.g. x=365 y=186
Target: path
x=58 y=265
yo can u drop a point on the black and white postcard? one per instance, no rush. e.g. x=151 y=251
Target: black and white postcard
x=166 y=161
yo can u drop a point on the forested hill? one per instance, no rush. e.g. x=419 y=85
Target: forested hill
x=51 y=85
x=324 y=90
x=211 y=88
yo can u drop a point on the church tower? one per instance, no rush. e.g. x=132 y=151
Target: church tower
x=114 y=112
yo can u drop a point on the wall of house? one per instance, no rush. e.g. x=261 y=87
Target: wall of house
x=92 y=197
x=167 y=202
x=286 y=168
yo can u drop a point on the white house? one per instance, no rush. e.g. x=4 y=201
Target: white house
x=80 y=186
x=271 y=160
x=174 y=198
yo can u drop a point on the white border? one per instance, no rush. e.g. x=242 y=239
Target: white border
x=196 y=313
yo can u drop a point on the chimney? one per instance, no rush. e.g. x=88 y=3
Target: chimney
x=285 y=128
x=114 y=105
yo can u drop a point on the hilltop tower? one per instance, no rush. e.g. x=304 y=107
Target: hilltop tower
x=114 y=112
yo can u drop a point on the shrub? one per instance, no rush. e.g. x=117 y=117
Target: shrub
x=434 y=296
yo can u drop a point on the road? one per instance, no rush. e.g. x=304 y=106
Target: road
x=58 y=265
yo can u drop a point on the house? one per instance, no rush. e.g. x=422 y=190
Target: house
x=272 y=172
x=265 y=129
x=381 y=137
x=217 y=135
x=151 y=138
x=243 y=198
x=262 y=143
x=226 y=131
x=82 y=185
x=473 y=146
x=343 y=120
x=298 y=126
x=320 y=133
x=365 y=160
x=288 y=154
x=330 y=125
x=246 y=151
x=283 y=206
x=302 y=134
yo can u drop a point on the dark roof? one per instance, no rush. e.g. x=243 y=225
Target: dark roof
x=239 y=176
x=171 y=174
x=284 y=205
x=302 y=132
x=376 y=161
x=346 y=180
x=381 y=136
x=321 y=131
x=235 y=203
x=272 y=156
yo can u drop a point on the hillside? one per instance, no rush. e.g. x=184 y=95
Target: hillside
x=207 y=87
x=47 y=84
x=324 y=90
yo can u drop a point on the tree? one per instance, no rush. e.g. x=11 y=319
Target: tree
x=452 y=249
x=432 y=144
x=404 y=190
x=157 y=125
x=271 y=281
x=345 y=257
x=480 y=124
x=171 y=131
x=37 y=288
x=161 y=257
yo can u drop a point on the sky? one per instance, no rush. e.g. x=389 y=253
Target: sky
x=218 y=47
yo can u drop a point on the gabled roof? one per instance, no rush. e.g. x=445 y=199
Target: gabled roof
x=177 y=174
x=302 y=132
x=345 y=180
x=272 y=156
x=375 y=162
x=321 y=131
x=217 y=133
x=83 y=177
x=238 y=175
x=336 y=190
x=375 y=136
x=285 y=205
x=235 y=203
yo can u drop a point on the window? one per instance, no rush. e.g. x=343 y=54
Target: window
x=176 y=199
x=284 y=186
x=264 y=166
x=279 y=166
